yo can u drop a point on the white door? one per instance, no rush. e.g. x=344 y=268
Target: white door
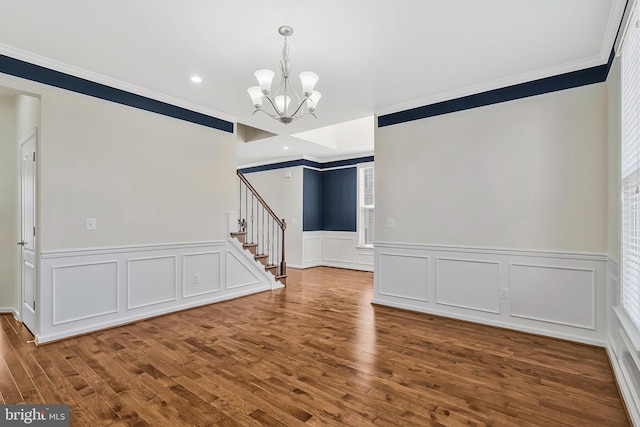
x=28 y=229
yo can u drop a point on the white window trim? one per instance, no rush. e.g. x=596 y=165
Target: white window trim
x=631 y=328
x=359 y=230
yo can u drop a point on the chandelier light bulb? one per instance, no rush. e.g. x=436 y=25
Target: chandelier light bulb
x=265 y=77
x=256 y=96
x=313 y=100
x=309 y=80
x=281 y=104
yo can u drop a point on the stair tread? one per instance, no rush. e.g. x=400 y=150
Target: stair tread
x=236 y=233
x=261 y=256
x=246 y=245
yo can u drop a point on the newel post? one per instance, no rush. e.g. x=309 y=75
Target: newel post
x=283 y=264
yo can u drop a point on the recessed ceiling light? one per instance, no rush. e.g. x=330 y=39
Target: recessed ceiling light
x=196 y=79
x=285 y=148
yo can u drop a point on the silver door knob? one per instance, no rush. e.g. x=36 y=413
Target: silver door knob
x=22 y=243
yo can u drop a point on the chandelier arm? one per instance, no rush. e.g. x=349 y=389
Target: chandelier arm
x=273 y=116
x=275 y=107
x=299 y=107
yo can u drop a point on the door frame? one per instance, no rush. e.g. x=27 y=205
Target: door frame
x=36 y=242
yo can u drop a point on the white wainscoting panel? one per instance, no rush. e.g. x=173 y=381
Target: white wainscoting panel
x=151 y=281
x=89 y=289
x=202 y=274
x=339 y=248
x=335 y=249
x=560 y=294
x=364 y=258
x=467 y=283
x=311 y=249
x=239 y=273
x=404 y=276
x=95 y=284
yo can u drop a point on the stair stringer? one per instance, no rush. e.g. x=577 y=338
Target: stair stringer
x=245 y=257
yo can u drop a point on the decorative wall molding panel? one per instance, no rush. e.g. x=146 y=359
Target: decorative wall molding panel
x=558 y=294
x=95 y=284
x=468 y=283
x=404 y=276
x=334 y=249
x=86 y=290
x=535 y=294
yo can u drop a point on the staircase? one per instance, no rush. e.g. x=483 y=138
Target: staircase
x=260 y=231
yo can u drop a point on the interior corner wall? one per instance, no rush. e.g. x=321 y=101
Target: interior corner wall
x=523 y=174
x=312 y=200
x=340 y=199
x=613 y=160
x=330 y=199
x=8 y=205
x=284 y=196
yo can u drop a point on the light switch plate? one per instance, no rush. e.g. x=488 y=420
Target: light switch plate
x=90 y=224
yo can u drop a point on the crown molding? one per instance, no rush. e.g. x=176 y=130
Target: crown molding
x=614 y=26
x=62 y=67
x=498 y=84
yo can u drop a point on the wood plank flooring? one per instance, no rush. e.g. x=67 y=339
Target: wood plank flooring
x=315 y=353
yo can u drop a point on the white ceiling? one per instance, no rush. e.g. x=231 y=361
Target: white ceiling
x=373 y=56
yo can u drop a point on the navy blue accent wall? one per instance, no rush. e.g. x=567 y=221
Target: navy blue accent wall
x=340 y=199
x=570 y=80
x=36 y=73
x=311 y=200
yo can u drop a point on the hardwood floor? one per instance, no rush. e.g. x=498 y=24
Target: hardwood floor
x=314 y=353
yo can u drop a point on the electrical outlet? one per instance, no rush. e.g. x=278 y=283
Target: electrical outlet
x=196 y=279
x=504 y=293
x=391 y=223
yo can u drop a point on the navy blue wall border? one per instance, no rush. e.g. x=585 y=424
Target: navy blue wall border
x=36 y=73
x=597 y=74
x=309 y=163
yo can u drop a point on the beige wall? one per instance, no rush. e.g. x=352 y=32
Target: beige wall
x=524 y=174
x=284 y=196
x=8 y=204
x=146 y=178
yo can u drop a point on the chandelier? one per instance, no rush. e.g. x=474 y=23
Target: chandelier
x=279 y=104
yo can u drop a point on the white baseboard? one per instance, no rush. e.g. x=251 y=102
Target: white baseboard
x=10 y=310
x=87 y=290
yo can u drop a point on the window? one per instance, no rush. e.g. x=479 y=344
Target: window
x=366 y=212
x=630 y=172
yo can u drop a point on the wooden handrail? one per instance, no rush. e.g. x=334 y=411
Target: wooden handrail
x=280 y=222
x=243 y=223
